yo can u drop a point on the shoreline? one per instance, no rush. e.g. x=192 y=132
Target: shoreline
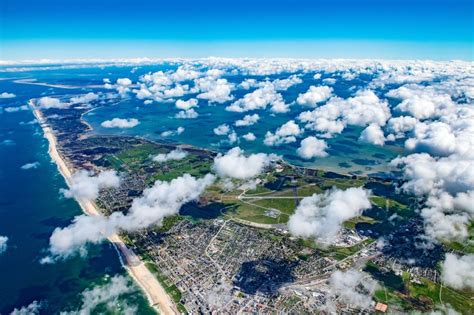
x=155 y=293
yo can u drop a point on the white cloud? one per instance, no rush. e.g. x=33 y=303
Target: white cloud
x=425 y=174
x=123 y=85
x=32 y=165
x=329 y=81
x=120 y=123
x=7 y=95
x=249 y=136
x=15 y=109
x=314 y=95
x=187 y=114
x=363 y=109
x=161 y=200
x=284 y=84
x=217 y=91
x=183 y=74
x=186 y=105
x=248 y=83
x=124 y=82
x=232 y=137
x=447 y=183
x=421 y=102
x=236 y=165
x=3 y=244
x=47 y=102
x=458 y=271
x=170 y=133
x=399 y=126
x=32 y=309
x=108 y=295
x=286 y=133
x=441 y=139
x=222 y=130
x=321 y=216
x=373 y=134
x=258 y=99
x=84 y=185
x=84 y=99
x=248 y=120
x=176 y=154
x=312 y=147
x=353 y=287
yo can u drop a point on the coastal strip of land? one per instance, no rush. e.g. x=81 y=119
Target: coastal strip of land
x=156 y=294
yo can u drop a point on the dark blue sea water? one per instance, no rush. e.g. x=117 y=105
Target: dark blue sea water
x=31 y=207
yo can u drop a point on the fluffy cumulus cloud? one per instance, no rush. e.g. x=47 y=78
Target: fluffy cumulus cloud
x=248 y=120
x=47 y=102
x=458 y=272
x=249 y=136
x=353 y=288
x=400 y=126
x=447 y=185
x=286 y=133
x=421 y=102
x=260 y=99
x=187 y=114
x=438 y=124
x=321 y=216
x=443 y=139
x=85 y=186
x=120 y=123
x=235 y=164
x=176 y=154
x=373 y=134
x=425 y=174
x=363 y=109
x=3 y=244
x=314 y=95
x=222 y=130
x=171 y=133
x=186 y=105
x=157 y=202
x=312 y=147
x=7 y=95
x=122 y=85
x=216 y=91
x=84 y=99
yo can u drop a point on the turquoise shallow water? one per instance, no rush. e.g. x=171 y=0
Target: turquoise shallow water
x=346 y=154
x=31 y=207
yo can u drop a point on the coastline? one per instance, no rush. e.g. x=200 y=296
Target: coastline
x=155 y=293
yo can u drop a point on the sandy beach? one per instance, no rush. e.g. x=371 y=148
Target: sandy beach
x=155 y=293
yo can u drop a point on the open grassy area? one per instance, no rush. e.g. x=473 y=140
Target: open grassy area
x=284 y=205
x=423 y=295
x=350 y=224
x=383 y=202
x=340 y=253
x=252 y=213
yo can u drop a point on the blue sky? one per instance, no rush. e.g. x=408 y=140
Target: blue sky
x=430 y=29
